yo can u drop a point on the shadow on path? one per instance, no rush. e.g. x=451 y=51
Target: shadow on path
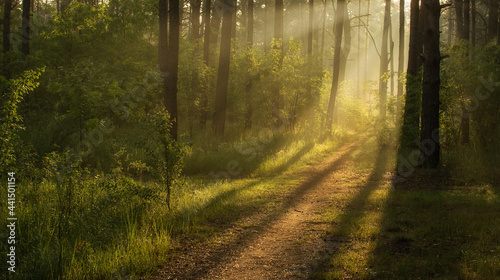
x=352 y=214
x=198 y=262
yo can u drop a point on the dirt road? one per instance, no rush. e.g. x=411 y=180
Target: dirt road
x=287 y=243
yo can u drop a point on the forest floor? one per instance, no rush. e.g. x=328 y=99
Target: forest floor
x=343 y=220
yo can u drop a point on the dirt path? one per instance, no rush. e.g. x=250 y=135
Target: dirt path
x=285 y=244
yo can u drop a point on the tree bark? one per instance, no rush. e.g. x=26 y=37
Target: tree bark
x=384 y=61
x=429 y=134
x=215 y=22
x=339 y=26
x=219 y=118
x=466 y=27
x=195 y=79
x=323 y=28
x=473 y=23
x=25 y=41
x=248 y=87
x=401 y=59
x=266 y=20
x=311 y=28
x=173 y=65
x=278 y=37
x=206 y=59
x=367 y=41
x=459 y=8
x=411 y=115
x=493 y=19
x=346 y=49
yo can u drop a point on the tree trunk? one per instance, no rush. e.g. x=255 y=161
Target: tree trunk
x=473 y=23
x=459 y=8
x=411 y=115
x=493 y=19
x=25 y=43
x=233 y=19
x=163 y=36
x=323 y=28
x=244 y=21
x=384 y=61
x=311 y=28
x=266 y=20
x=248 y=87
x=450 y=26
x=339 y=26
x=278 y=37
x=173 y=65
x=215 y=22
x=367 y=41
x=346 y=49
x=429 y=134
x=466 y=27
x=465 y=114
x=206 y=59
x=401 y=59
x=195 y=79
x=219 y=118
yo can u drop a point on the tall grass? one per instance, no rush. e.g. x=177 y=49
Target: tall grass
x=98 y=226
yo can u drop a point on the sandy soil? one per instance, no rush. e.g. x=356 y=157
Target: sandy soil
x=286 y=243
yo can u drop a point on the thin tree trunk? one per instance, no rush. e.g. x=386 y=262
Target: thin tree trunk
x=384 y=61
x=195 y=79
x=367 y=41
x=358 y=68
x=248 y=87
x=219 y=119
x=493 y=20
x=466 y=27
x=346 y=49
x=311 y=28
x=429 y=134
x=339 y=26
x=233 y=19
x=206 y=59
x=473 y=23
x=450 y=27
x=323 y=29
x=278 y=36
x=459 y=8
x=244 y=21
x=25 y=43
x=266 y=21
x=173 y=65
x=401 y=59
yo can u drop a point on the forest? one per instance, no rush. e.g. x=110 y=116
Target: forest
x=250 y=139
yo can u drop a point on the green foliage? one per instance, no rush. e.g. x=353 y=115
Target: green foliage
x=13 y=92
x=470 y=86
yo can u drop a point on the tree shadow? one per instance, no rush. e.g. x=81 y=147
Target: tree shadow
x=433 y=230
x=353 y=213
x=199 y=261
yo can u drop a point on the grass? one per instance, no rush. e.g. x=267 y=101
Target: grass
x=429 y=228
x=109 y=226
